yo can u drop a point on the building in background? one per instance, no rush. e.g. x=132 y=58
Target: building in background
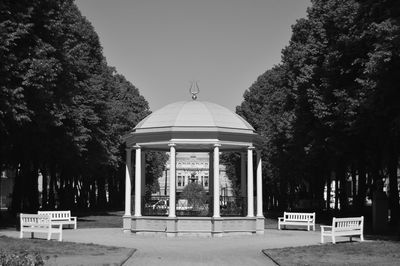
x=194 y=167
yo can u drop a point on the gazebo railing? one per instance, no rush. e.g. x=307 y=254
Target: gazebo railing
x=233 y=206
x=195 y=207
x=159 y=206
x=155 y=205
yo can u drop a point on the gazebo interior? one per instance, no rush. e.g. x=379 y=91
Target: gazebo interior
x=194 y=126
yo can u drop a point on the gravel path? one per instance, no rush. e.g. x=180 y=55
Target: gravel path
x=156 y=250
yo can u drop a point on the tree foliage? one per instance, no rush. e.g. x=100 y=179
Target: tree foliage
x=330 y=109
x=194 y=193
x=63 y=110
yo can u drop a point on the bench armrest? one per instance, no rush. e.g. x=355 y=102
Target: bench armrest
x=281 y=218
x=324 y=227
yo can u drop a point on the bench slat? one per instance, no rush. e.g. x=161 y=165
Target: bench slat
x=349 y=226
x=38 y=223
x=61 y=217
x=297 y=218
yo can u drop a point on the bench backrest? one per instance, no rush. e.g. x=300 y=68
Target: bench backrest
x=57 y=215
x=34 y=219
x=299 y=216
x=350 y=223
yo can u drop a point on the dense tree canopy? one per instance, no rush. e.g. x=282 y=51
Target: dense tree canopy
x=330 y=109
x=63 y=110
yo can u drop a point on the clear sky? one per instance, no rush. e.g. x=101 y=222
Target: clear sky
x=161 y=45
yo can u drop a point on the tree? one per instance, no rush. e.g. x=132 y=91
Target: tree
x=63 y=110
x=268 y=106
x=231 y=160
x=195 y=194
x=329 y=108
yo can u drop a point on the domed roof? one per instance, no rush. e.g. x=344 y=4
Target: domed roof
x=194 y=114
x=193 y=126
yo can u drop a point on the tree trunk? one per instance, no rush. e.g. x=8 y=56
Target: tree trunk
x=111 y=190
x=283 y=195
x=92 y=195
x=68 y=192
x=101 y=197
x=44 y=186
x=362 y=188
x=375 y=175
x=86 y=192
x=33 y=190
x=16 y=204
x=81 y=186
x=320 y=180
x=353 y=184
x=341 y=175
x=393 y=188
x=328 y=192
x=29 y=183
x=291 y=195
x=53 y=179
x=336 y=192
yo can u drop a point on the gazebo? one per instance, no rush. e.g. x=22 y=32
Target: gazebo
x=194 y=126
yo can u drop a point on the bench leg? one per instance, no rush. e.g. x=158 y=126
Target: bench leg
x=21 y=234
x=333 y=239
x=32 y=235
x=362 y=237
x=351 y=239
x=48 y=235
x=60 y=235
x=322 y=238
x=75 y=227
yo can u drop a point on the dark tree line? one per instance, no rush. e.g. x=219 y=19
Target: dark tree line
x=63 y=110
x=330 y=110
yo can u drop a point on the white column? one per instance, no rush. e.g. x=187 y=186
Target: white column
x=138 y=182
x=243 y=186
x=259 y=186
x=172 y=180
x=143 y=172
x=211 y=174
x=128 y=184
x=216 y=180
x=250 y=194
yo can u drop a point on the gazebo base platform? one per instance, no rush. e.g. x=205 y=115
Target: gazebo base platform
x=194 y=226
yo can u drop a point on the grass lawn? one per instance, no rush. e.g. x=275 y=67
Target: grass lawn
x=63 y=253
x=104 y=219
x=111 y=219
x=67 y=253
x=348 y=253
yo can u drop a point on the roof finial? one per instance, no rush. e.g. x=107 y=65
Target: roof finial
x=194 y=92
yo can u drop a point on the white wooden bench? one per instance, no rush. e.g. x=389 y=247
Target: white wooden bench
x=61 y=217
x=39 y=223
x=297 y=218
x=353 y=226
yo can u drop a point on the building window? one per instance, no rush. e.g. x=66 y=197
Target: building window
x=179 y=181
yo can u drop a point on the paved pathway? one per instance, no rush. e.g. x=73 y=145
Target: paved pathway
x=228 y=250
